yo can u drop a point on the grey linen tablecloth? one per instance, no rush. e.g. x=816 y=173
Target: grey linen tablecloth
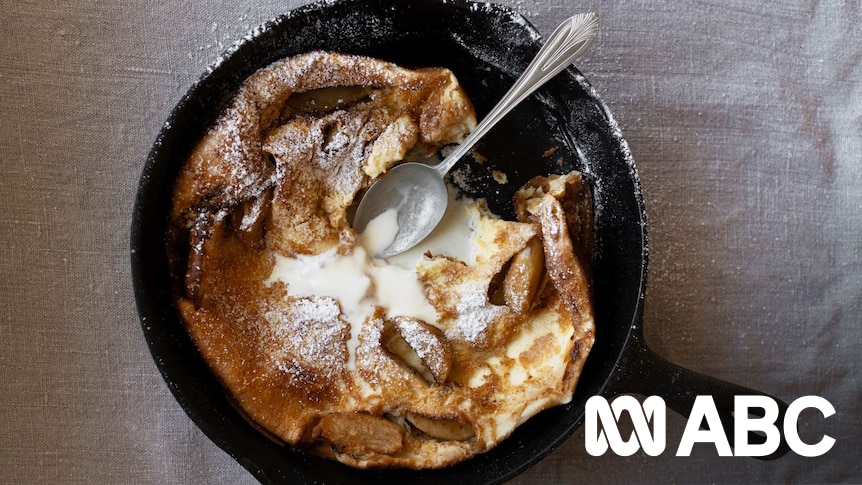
x=745 y=122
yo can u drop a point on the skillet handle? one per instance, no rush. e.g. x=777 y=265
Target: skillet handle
x=648 y=374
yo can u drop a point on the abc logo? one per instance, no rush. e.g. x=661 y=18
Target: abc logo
x=653 y=438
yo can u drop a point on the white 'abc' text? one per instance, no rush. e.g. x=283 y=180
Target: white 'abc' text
x=652 y=439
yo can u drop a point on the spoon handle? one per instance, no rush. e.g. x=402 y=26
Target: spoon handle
x=565 y=45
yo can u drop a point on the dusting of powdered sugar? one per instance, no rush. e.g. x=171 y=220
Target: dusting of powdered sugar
x=423 y=342
x=310 y=332
x=598 y=190
x=239 y=148
x=503 y=60
x=475 y=313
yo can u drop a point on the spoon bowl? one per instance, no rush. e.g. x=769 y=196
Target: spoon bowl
x=417 y=192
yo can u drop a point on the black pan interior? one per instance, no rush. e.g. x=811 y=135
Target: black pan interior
x=487 y=47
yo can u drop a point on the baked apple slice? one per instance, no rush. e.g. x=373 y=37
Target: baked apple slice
x=419 y=346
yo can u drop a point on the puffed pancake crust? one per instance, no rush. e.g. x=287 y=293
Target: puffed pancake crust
x=499 y=337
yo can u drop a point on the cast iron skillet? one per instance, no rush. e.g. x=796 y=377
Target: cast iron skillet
x=486 y=46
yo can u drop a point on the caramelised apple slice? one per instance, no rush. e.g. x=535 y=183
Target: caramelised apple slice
x=419 y=346
x=576 y=204
x=359 y=433
x=523 y=277
x=324 y=99
x=447 y=429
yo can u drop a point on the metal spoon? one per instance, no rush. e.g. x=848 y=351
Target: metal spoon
x=417 y=191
